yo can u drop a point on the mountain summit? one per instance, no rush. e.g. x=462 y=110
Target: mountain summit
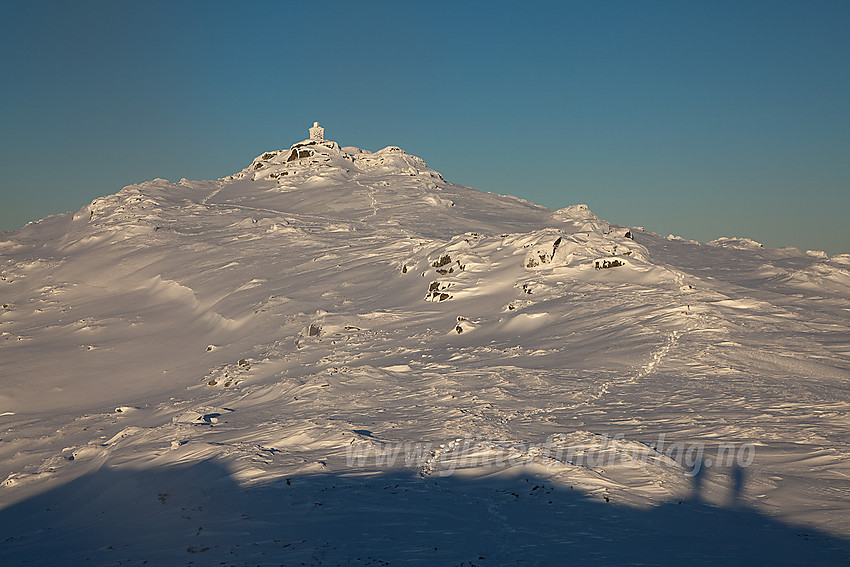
x=388 y=188
x=333 y=331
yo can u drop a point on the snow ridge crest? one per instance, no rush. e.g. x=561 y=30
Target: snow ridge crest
x=311 y=157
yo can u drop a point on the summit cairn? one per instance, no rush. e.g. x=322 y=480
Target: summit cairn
x=317 y=132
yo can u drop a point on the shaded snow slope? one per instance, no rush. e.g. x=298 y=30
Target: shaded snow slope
x=332 y=318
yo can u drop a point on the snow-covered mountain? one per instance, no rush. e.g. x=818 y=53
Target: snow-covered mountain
x=336 y=357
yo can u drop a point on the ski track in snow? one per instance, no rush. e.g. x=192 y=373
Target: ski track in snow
x=215 y=192
x=655 y=358
x=374 y=202
x=268 y=353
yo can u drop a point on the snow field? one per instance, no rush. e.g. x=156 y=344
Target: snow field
x=358 y=362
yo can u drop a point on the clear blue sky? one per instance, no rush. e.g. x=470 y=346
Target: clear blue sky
x=703 y=119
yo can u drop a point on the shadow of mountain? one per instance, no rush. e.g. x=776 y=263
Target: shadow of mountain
x=198 y=515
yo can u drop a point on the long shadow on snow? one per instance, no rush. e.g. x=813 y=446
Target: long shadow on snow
x=198 y=515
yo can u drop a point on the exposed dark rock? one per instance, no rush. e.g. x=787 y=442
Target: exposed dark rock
x=445 y=259
x=605 y=264
x=436 y=291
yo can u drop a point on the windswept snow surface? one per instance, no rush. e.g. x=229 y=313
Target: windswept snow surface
x=335 y=357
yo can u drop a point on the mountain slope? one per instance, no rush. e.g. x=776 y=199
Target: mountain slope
x=329 y=313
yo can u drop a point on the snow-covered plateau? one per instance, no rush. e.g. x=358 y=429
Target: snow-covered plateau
x=336 y=357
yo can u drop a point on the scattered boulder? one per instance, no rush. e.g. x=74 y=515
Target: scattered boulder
x=517 y=304
x=436 y=291
x=539 y=255
x=464 y=324
x=605 y=263
x=443 y=261
x=555 y=246
x=228 y=375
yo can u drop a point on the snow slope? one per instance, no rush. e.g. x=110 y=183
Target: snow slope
x=336 y=357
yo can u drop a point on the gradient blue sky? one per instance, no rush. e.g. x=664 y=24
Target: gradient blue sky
x=703 y=119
